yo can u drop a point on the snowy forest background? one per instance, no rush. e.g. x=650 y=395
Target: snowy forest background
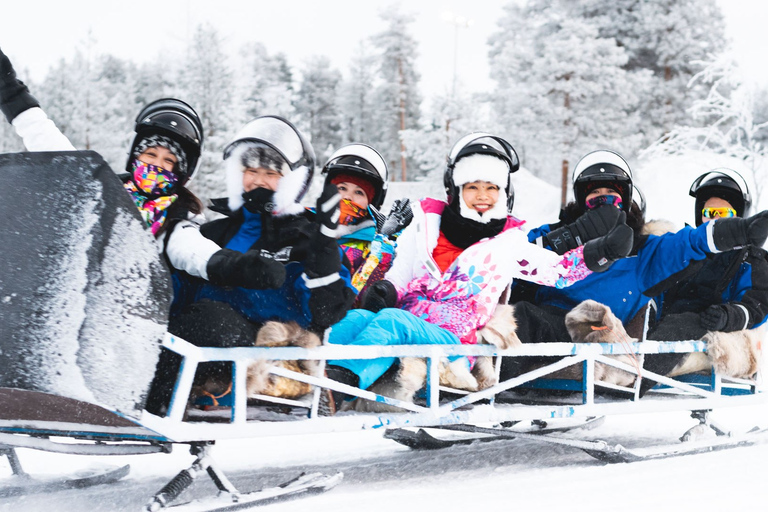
x=644 y=78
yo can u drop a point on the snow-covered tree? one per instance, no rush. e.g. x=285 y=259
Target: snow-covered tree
x=357 y=97
x=397 y=97
x=206 y=84
x=450 y=117
x=561 y=88
x=723 y=122
x=667 y=38
x=268 y=82
x=316 y=105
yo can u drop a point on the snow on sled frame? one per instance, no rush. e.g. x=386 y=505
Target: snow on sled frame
x=469 y=408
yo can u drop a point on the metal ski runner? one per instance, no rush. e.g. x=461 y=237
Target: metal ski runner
x=229 y=498
x=423 y=440
x=301 y=486
x=612 y=453
x=22 y=484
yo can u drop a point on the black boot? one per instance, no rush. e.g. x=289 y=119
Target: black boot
x=330 y=401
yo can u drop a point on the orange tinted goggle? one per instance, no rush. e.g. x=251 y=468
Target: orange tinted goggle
x=715 y=213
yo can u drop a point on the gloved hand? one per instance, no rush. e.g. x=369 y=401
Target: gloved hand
x=400 y=216
x=593 y=224
x=248 y=270
x=328 y=211
x=14 y=95
x=724 y=318
x=735 y=232
x=599 y=254
x=379 y=295
x=322 y=255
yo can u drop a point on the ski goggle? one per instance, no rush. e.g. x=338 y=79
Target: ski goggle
x=716 y=213
x=598 y=201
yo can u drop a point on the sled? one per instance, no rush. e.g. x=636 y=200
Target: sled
x=44 y=398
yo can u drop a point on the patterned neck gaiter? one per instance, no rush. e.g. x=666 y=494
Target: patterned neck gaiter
x=149 y=188
x=351 y=213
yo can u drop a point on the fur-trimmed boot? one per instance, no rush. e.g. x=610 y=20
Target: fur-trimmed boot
x=735 y=354
x=592 y=322
x=501 y=331
x=277 y=334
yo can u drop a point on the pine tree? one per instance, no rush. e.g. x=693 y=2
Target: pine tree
x=669 y=38
x=206 y=84
x=357 y=97
x=723 y=122
x=561 y=89
x=397 y=98
x=316 y=105
x=269 y=82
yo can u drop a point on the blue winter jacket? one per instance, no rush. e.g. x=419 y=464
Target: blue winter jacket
x=316 y=305
x=628 y=285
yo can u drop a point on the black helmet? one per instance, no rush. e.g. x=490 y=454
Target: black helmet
x=483 y=144
x=362 y=161
x=599 y=168
x=723 y=183
x=176 y=120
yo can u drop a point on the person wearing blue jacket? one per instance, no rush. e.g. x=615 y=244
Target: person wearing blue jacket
x=725 y=293
x=603 y=179
x=269 y=166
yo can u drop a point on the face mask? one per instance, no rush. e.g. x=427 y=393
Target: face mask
x=259 y=200
x=351 y=213
x=152 y=180
x=598 y=201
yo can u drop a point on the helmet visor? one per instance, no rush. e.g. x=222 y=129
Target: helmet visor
x=274 y=133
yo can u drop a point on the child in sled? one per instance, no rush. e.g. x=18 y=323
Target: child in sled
x=269 y=166
x=454 y=263
x=365 y=235
x=603 y=179
x=722 y=299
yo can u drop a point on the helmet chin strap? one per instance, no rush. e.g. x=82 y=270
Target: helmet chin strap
x=498 y=211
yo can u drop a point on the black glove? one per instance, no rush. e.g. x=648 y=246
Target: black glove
x=379 y=295
x=328 y=211
x=724 y=318
x=593 y=224
x=599 y=254
x=735 y=232
x=14 y=95
x=248 y=270
x=400 y=215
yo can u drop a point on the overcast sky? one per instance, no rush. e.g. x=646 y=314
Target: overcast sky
x=37 y=33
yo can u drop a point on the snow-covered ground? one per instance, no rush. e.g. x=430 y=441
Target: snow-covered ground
x=381 y=475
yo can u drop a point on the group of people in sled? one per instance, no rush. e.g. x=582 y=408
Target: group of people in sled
x=270 y=272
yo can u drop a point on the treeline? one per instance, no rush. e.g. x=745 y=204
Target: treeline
x=569 y=77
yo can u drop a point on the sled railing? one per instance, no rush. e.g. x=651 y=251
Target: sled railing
x=486 y=405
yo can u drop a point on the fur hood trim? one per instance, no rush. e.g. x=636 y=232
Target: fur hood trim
x=288 y=195
x=488 y=168
x=658 y=227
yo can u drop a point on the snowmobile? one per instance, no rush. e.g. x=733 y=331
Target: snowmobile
x=84 y=296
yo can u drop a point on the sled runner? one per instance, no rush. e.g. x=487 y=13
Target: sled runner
x=77 y=308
